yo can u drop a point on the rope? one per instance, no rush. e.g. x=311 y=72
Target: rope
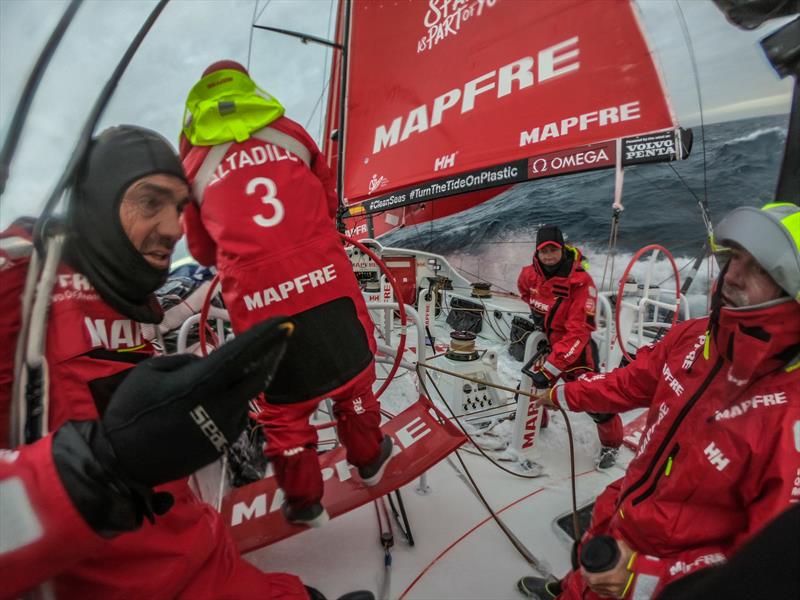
x=66 y=181
x=612 y=249
x=252 y=30
x=319 y=100
x=704 y=210
x=575 y=523
x=463 y=429
x=681 y=270
x=325 y=79
x=263 y=8
x=467 y=346
x=710 y=281
x=474 y=379
x=491 y=323
x=19 y=409
x=523 y=551
x=204 y=316
x=481 y=290
x=477 y=276
x=81 y=149
x=20 y=114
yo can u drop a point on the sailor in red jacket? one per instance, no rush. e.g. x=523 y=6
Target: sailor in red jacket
x=66 y=495
x=720 y=454
x=263 y=213
x=123 y=223
x=563 y=297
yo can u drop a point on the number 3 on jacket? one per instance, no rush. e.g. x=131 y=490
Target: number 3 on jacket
x=270 y=199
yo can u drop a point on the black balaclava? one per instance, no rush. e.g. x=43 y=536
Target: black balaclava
x=551 y=235
x=98 y=246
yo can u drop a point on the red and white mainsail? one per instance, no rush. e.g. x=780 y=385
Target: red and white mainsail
x=448 y=97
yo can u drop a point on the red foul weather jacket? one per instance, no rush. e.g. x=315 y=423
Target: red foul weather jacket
x=720 y=454
x=264 y=214
x=89 y=348
x=566 y=306
x=34 y=498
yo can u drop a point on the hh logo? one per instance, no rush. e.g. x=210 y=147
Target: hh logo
x=114 y=335
x=716 y=457
x=445 y=162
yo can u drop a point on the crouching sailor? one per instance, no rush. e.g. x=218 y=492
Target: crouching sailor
x=563 y=300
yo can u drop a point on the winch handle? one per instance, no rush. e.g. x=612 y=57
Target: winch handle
x=527 y=368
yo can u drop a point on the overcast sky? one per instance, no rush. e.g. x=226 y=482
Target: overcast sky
x=736 y=81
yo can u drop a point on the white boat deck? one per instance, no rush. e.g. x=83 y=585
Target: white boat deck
x=459 y=550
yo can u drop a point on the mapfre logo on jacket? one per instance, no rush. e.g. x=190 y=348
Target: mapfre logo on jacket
x=81 y=321
x=116 y=334
x=73 y=286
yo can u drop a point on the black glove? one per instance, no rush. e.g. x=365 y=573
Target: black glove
x=169 y=417
x=540 y=380
x=175 y=414
x=538 y=320
x=108 y=500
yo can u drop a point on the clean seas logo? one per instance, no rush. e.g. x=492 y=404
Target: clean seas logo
x=444 y=18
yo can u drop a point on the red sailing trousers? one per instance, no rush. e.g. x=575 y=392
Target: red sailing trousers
x=292 y=440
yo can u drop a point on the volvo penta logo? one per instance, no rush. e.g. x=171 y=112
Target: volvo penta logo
x=649 y=148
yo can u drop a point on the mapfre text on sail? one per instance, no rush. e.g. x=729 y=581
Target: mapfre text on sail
x=550 y=64
x=595 y=118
